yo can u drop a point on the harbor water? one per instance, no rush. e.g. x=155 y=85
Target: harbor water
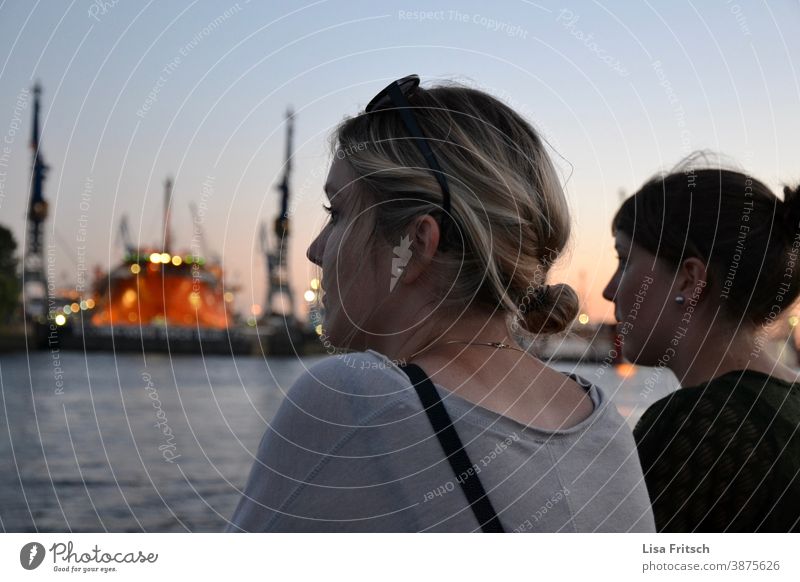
x=132 y=442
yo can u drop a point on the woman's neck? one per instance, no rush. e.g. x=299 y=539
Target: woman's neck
x=430 y=338
x=723 y=351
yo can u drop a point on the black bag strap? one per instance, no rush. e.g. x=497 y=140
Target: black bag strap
x=454 y=449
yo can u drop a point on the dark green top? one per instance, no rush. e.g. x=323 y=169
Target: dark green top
x=724 y=456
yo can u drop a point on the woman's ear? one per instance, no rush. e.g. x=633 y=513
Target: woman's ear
x=692 y=278
x=423 y=234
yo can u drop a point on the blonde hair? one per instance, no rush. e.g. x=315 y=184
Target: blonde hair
x=509 y=217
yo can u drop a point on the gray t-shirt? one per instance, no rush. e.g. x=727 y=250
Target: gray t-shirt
x=351 y=449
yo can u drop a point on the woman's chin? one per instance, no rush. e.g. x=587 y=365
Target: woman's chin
x=330 y=329
x=636 y=355
x=632 y=353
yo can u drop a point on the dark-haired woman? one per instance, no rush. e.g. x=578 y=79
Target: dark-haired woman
x=708 y=265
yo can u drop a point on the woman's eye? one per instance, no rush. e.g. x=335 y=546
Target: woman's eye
x=330 y=211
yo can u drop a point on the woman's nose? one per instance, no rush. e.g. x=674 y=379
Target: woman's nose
x=313 y=254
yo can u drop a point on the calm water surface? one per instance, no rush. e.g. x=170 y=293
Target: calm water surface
x=126 y=442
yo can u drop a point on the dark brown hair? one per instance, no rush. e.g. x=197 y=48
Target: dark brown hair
x=746 y=236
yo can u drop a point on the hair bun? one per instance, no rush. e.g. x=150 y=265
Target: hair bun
x=791 y=212
x=553 y=310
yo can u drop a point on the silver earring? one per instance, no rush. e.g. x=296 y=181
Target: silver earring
x=679 y=299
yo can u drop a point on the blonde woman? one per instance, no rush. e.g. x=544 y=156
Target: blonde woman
x=446 y=214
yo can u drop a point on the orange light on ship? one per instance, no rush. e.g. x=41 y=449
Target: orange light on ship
x=176 y=260
x=255 y=309
x=129 y=298
x=136 y=268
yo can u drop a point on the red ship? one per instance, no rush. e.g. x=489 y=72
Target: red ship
x=159 y=300
x=157 y=288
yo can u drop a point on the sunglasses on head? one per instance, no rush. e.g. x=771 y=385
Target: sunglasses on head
x=395 y=96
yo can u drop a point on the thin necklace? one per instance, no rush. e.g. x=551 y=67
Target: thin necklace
x=499 y=345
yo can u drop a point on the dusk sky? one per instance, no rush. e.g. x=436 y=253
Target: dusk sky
x=134 y=92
